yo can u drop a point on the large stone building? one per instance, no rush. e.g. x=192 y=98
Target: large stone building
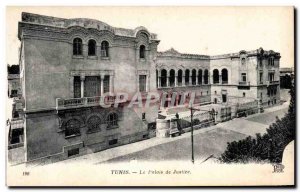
x=68 y=65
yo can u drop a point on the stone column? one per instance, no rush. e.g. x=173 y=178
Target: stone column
x=202 y=79
x=197 y=79
x=220 y=79
x=159 y=81
x=176 y=81
x=84 y=50
x=82 y=78
x=183 y=80
x=190 y=81
x=168 y=80
x=101 y=84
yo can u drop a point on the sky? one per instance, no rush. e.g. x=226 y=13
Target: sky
x=195 y=30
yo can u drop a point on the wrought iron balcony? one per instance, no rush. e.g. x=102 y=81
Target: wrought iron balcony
x=85 y=101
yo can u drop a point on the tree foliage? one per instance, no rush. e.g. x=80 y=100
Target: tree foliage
x=267 y=147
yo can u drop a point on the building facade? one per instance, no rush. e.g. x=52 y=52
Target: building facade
x=69 y=66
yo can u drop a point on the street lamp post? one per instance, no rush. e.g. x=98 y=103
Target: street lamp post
x=213 y=112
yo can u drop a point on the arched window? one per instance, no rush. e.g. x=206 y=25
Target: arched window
x=224 y=76
x=142 y=51
x=93 y=123
x=112 y=120
x=199 y=77
x=215 y=76
x=77 y=46
x=194 y=75
x=72 y=128
x=179 y=77
x=243 y=61
x=172 y=77
x=187 y=77
x=104 y=49
x=163 y=78
x=206 y=76
x=92 y=47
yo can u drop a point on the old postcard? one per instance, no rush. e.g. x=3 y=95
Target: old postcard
x=150 y=96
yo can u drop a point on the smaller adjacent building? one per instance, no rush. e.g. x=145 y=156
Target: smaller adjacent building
x=246 y=74
x=286 y=77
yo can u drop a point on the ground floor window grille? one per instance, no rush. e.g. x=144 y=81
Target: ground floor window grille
x=72 y=128
x=106 y=84
x=94 y=123
x=113 y=141
x=77 y=87
x=112 y=120
x=224 y=98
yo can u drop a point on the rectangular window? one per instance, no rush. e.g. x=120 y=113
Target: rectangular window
x=77 y=87
x=142 y=83
x=106 y=84
x=271 y=77
x=244 y=77
x=73 y=152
